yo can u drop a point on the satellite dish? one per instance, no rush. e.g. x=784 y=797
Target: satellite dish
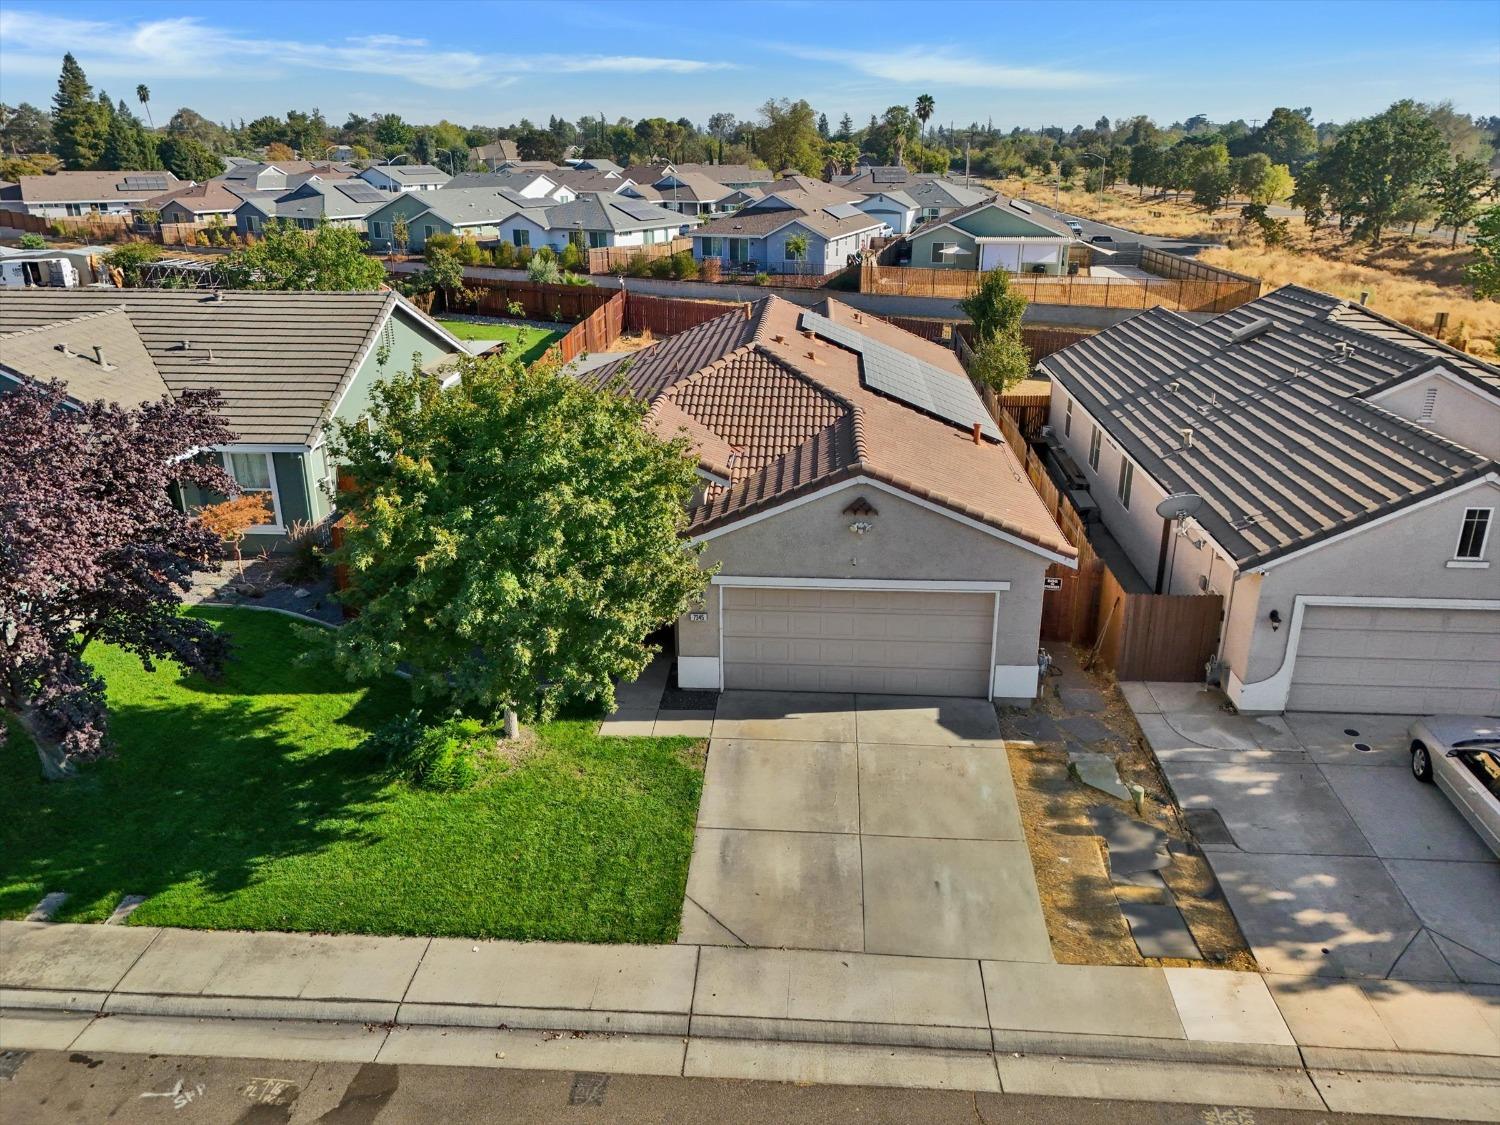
x=1179 y=505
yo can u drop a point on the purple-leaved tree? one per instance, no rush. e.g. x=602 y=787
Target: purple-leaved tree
x=92 y=548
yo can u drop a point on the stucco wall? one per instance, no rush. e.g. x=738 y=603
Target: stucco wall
x=1405 y=557
x=907 y=541
x=1469 y=417
x=407 y=206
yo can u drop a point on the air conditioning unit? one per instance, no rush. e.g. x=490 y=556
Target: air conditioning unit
x=1047 y=432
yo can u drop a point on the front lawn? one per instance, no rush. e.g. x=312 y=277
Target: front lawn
x=244 y=804
x=530 y=342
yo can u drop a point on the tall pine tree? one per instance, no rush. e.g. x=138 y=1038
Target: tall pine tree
x=79 y=123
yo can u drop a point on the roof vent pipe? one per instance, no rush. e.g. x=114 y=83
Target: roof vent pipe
x=1364 y=297
x=1187 y=437
x=63 y=347
x=99 y=356
x=976 y=432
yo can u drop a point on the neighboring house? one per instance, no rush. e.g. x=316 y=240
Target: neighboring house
x=906 y=199
x=870 y=533
x=493 y=155
x=755 y=237
x=1346 y=466
x=196 y=203
x=583 y=181
x=283 y=364
x=609 y=167
x=594 y=221
x=65 y=195
x=405 y=177
x=341 y=203
x=997 y=233
x=476 y=211
x=284 y=175
x=690 y=193
x=535 y=185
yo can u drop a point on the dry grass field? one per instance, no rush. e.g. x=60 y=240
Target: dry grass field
x=1410 y=279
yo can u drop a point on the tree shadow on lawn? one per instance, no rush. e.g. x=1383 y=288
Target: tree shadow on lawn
x=199 y=797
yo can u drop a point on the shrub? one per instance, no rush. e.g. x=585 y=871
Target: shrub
x=440 y=758
x=523 y=256
x=516 y=309
x=504 y=255
x=661 y=268
x=684 y=265
x=573 y=259
x=33 y=241
x=763 y=279
x=638 y=265
x=577 y=279
x=543 y=268
x=440 y=243
x=308 y=542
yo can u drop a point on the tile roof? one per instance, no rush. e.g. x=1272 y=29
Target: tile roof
x=694 y=186
x=476 y=205
x=729 y=173
x=496 y=150
x=780 y=413
x=85 y=187
x=279 y=360
x=580 y=180
x=1010 y=206
x=412 y=173
x=1285 y=448
x=763 y=217
x=607 y=211
x=199 y=199
x=66 y=351
x=515 y=180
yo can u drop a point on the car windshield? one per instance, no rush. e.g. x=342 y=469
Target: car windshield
x=1490 y=744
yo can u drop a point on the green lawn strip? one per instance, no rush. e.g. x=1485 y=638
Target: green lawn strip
x=244 y=804
x=532 y=341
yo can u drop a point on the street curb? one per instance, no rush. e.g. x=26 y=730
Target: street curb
x=52 y=1000
x=769 y=1029
x=1127 y=1047
x=541 y=1019
x=250 y=1007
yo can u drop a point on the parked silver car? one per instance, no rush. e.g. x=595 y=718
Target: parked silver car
x=1462 y=755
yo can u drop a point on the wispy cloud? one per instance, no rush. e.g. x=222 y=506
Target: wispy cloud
x=187 y=47
x=946 y=66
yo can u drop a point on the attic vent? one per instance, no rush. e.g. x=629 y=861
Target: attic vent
x=1429 y=405
x=1342 y=350
x=1187 y=437
x=1257 y=327
x=1174 y=387
x=63 y=347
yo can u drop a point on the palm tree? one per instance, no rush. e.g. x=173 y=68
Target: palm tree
x=143 y=95
x=925 y=107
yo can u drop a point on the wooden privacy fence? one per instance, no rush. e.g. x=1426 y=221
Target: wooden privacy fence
x=614 y=259
x=1136 y=636
x=594 y=333
x=1184 y=294
x=88 y=228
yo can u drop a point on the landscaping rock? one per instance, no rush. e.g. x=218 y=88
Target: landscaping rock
x=1034 y=727
x=127 y=907
x=1133 y=846
x=1159 y=930
x=1098 y=771
x=1086 y=728
x=47 y=909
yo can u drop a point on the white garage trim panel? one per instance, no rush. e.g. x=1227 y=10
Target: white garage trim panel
x=1385 y=655
x=847 y=638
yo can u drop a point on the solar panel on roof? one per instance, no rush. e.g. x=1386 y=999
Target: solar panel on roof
x=892 y=372
x=148 y=183
x=361 y=192
x=888 y=175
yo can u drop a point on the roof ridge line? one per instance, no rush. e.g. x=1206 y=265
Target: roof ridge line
x=48 y=327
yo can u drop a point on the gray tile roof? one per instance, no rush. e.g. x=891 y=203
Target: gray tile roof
x=121 y=371
x=612 y=212
x=413 y=173
x=516 y=180
x=1285 y=448
x=760 y=219
x=993 y=199
x=279 y=360
x=476 y=205
x=86 y=187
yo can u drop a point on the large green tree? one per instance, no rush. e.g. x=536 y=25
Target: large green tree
x=1000 y=359
x=1484 y=271
x=1457 y=192
x=80 y=122
x=788 y=137
x=512 y=540
x=330 y=258
x=188 y=159
x=1288 y=137
x=1377 y=166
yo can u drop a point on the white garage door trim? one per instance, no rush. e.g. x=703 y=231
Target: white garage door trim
x=1271 y=693
x=1011 y=681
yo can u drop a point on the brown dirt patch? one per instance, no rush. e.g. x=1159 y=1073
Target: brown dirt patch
x=1081 y=906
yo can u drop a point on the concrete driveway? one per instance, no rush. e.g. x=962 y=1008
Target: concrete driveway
x=873 y=824
x=1337 y=862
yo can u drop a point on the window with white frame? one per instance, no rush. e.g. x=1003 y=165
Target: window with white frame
x=1068 y=419
x=1095 y=441
x=73 y=208
x=253 y=473
x=598 y=239
x=1127 y=478
x=1474 y=534
x=521 y=236
x=938 y=257
x=377 y=229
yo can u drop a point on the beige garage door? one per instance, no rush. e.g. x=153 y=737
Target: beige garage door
x=1398 y=661
x=891 y=642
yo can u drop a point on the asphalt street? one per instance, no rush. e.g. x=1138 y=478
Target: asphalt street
x=47 y=1087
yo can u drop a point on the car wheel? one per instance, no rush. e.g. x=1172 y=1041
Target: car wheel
x=1421 y=763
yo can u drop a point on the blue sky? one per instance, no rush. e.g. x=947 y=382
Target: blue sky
x=1019 y=63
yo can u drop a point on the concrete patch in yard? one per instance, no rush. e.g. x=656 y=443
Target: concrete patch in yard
x=1086 y=728
x=1029 y=726
x=839 y=1064
x=952 y=898
x=780 y=785
x=1224 y=1007
x=1132 y=844
x=126 y=907
x=48 y=907
x=631 y=723
x=1098 y=772
x=1085 y=699
x=797 y=889
x=966 y=792
x=1080 y=999
x=683 y=724
x=1159 y=930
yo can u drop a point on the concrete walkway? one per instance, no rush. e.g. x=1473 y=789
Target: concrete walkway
x=1164 y=1034
x=1336 y=861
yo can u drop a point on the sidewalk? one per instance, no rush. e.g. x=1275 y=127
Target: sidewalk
x=1159 y=1034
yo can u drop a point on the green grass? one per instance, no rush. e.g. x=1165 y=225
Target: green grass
x=244 y=804
x=532 y=341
